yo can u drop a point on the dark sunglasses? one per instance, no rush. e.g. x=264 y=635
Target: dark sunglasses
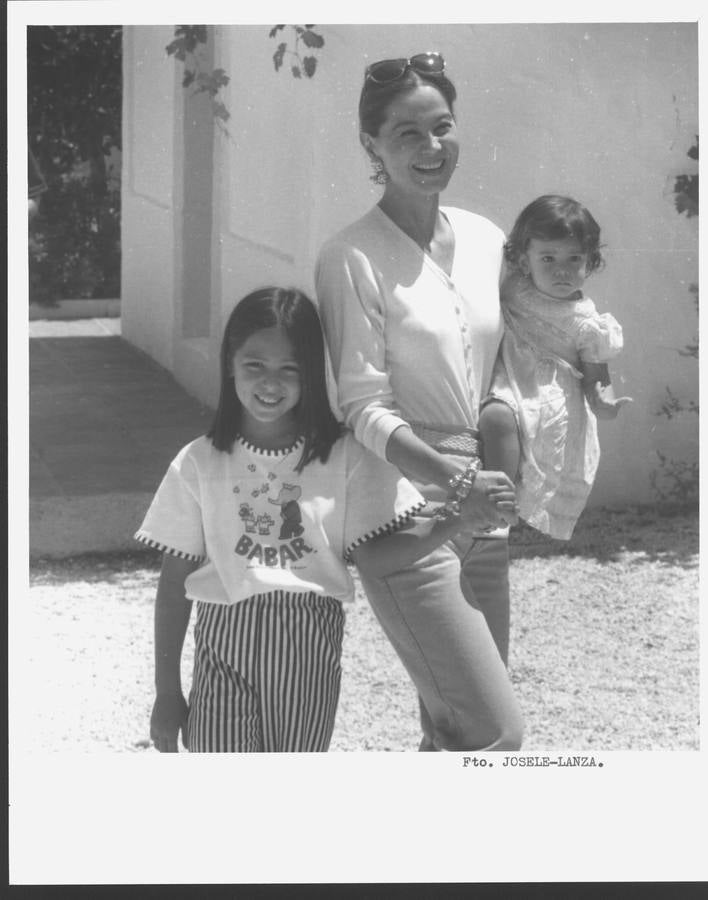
x=388 y=70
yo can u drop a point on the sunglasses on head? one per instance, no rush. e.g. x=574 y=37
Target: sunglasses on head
x=388 y=70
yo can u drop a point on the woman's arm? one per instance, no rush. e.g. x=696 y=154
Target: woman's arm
x=420 y=462
x=172 y=612
x=599 y=392
x=382 y=555
x=353 y=315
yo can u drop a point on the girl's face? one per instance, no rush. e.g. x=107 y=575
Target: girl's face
x=557 y=268
x=267 y=382
x=417 y=142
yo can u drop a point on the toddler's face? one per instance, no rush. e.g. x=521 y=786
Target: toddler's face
x=557 y=268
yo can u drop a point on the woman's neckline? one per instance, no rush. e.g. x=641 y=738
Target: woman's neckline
x=426 y=254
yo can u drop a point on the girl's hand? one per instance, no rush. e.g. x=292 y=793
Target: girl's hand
x=169 y=717
x=603 y=401
x=491 y=503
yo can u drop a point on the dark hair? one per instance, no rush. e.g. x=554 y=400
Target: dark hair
x=376 y=98
x=552 y=218
x=295 y=313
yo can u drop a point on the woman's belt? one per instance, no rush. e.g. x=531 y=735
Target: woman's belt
x=449 y=438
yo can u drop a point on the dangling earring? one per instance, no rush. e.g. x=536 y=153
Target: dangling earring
x=380 y=175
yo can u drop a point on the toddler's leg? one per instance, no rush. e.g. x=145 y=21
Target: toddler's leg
x=500 y=438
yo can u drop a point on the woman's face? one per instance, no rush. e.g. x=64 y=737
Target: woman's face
x=417 y=142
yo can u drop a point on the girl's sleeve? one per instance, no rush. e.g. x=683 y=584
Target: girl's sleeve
x=599 y=338
x=173 y=522
x=353 y=320
x=378 y=498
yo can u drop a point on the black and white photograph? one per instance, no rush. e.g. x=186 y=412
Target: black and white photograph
x=355 y=415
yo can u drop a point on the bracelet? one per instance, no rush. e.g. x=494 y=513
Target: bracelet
x=460 y=486
x=461 y=483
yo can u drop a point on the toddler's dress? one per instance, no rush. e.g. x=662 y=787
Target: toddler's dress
x=537 y=374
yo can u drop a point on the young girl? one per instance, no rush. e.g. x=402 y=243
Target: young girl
x=256 y=520
x=551 y=380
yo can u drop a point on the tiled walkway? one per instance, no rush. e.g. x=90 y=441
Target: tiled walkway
x=105 y=420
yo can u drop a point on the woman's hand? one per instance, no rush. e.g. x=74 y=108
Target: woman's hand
x=169 y=717
x=491 y=503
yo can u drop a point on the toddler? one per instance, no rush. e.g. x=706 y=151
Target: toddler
x=551 y=379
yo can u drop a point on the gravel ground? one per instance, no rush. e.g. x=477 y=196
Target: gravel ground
x=604 y=647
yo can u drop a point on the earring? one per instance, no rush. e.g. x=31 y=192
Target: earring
x=380 y=175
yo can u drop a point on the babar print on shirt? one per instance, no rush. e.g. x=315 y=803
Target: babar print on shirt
x=258 y=522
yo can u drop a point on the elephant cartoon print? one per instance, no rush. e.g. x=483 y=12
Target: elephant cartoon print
x=289 y=510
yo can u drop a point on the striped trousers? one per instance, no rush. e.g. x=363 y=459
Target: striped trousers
x=266 y=674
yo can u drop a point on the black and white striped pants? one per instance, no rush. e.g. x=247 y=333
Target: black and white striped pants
x=266 y=674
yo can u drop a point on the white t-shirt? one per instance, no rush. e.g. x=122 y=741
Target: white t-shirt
x=259 y=526
x=409 y=343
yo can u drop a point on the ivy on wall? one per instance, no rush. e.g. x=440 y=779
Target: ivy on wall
x=185 y=47
x=676 y=480
x=305 y=36
x=190 y=40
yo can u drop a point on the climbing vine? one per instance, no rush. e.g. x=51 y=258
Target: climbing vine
x=677 y=480
x=304 y=36
x=190 y=40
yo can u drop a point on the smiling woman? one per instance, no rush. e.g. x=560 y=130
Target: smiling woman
x=409 y=299
x=416 y=144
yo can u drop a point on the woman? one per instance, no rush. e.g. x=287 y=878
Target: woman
x=409 y=300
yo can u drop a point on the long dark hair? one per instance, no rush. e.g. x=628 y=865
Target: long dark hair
x=376 y=98
x=552 y=218
x=295 y=313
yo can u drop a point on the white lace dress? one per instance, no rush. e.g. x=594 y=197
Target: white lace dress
x=537 y=374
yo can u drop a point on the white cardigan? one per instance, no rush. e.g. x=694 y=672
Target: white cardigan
x=407 y=342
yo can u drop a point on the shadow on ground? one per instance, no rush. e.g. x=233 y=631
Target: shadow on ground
x=93 y=568
x=635 y=535
x=665 y=535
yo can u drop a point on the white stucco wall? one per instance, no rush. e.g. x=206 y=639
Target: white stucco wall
x=605 y=112
x=149 y=265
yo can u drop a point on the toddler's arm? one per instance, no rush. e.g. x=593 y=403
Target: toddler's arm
x=492 y=496
x=172 y=612
x=599 y=392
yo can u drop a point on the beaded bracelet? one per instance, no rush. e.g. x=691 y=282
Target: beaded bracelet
x=460 y=486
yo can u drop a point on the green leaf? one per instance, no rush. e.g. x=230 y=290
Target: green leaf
x=310 y=39
x=189 y=77
x=309 y=64
x=206 y=83
x=177 y=48
x=220 y=111
x=220 y=77
x=193 y=35
x=296 y=72
x=273 y=31
x=278 y=56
